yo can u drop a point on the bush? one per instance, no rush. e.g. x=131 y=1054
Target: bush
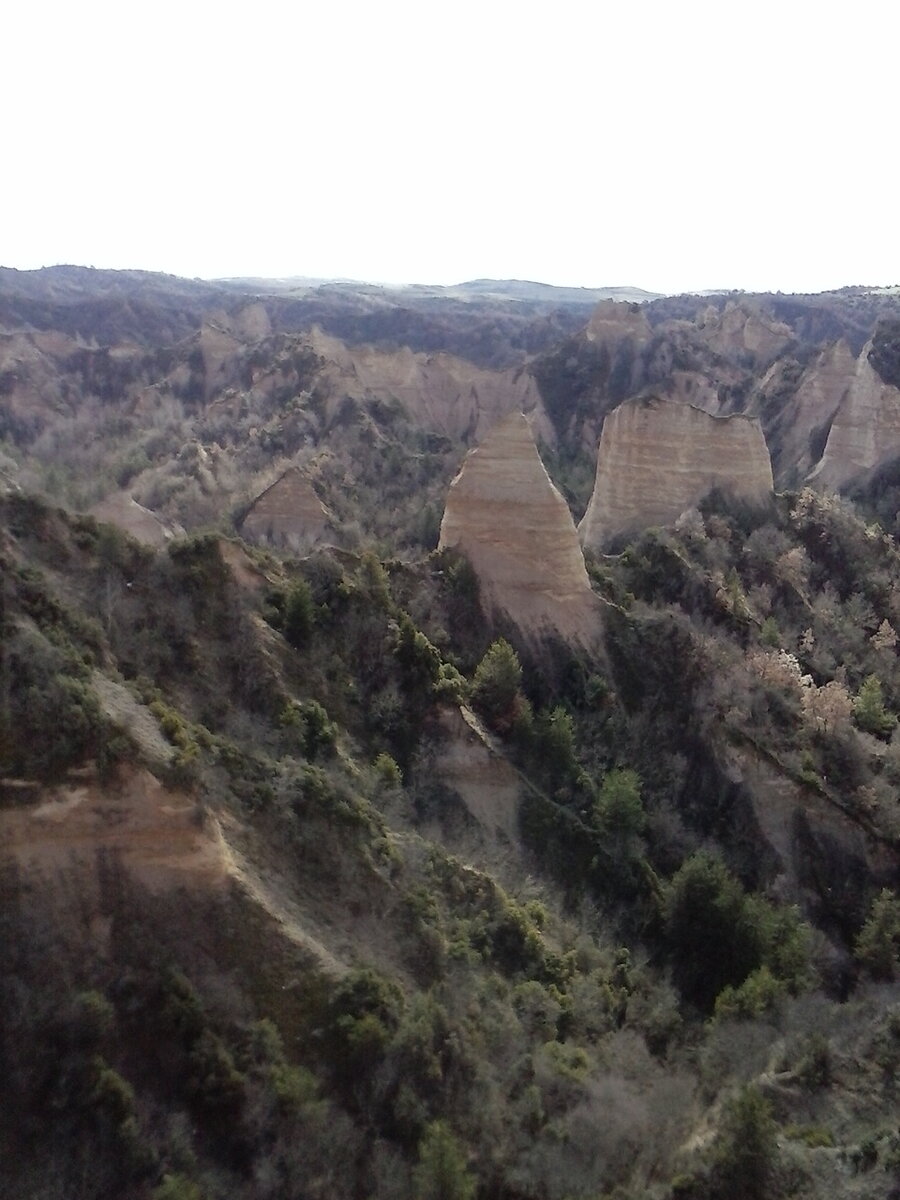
x=869 y=711
x=878 y=944
x=299 y=615
x=746 y=1148
x=718 y=935
x=759 y=992
x=496 y=684
x=441 y=1173
x=712 y=939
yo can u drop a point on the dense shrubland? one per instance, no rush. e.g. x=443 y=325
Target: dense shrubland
x=623 y=1003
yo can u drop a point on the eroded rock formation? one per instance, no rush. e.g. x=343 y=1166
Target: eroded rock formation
x=141 y=523
x=740 y=331
x=611 y=322
x=288 y=514
x=866 y=429
x=505 y=515
x=798 y=428
x=438 y=391
x=658 y=458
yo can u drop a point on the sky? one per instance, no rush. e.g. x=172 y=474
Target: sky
x=671 y=146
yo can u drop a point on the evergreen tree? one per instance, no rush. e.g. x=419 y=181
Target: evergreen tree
x=441 y=1173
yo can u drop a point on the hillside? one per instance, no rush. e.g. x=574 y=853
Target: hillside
x=336 y=863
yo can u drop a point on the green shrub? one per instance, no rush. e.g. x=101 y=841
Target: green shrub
x=718 y=935
x=496 y=684
x=745 y=1150
x=759 y=993
x=178 y=1187
x=869 y=711
x=814 y=1136
x=299 y=615
x=441 y=1172
x=878 y=944
x=387 y=773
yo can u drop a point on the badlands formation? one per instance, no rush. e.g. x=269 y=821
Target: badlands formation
x=515 y=528
x=658 y=458
x=865 y=432
x=438 y=391
x=288 y=514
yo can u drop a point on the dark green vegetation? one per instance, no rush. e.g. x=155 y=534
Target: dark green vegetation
x=558 y=1015
x=467 y=916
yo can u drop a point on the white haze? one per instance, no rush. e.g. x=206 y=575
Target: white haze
x=670 y=146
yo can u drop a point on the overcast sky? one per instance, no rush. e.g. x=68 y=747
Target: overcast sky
x=670 y=146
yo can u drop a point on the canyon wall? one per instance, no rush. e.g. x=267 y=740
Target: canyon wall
x=658 y=457
x=865 y=432
x=505 y=515
x=288 y=514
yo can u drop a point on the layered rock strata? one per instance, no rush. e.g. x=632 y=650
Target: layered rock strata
x=658 y=458
x=612 y=321
x=288 y=514
x=438 y=391
x=799 y=427
x=505 y=515
x=141 y=523
x=865 y=432
x=740 y=331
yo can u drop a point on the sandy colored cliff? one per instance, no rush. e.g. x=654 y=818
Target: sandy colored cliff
x=658 y=458
x=438 y=391
x=288 y=514
x=612 y=322
x=866 y=429
x=145 y=526
x=505 y=515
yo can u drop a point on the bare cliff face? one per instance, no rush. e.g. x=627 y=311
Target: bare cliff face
x=439 y=391
x=288 y=514
x=505 y=515
x=796 y=430
x=145 y=526
x=741 y=332
x=612 y=322
x=865 y=432
x=658 y=458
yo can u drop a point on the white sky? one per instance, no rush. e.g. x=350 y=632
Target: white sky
x=670 y=146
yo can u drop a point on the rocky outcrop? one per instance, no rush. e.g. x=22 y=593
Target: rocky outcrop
x=156 y=834
x=506 y=516
x=612 y=322
x=440 y=392
x=797 y=426
x=143 y=525
x=658 y=458
x=468 y=763
x=288 y=514
x=740 y=332
x=865 y=432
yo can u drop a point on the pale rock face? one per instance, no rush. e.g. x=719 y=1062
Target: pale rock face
x=866 y=429
x=658 y=458
x=691 y=387
x=612 y=321
x=218 y=345
x=439 y=391
x=505 y=515
x=141 y=523
x=287 y=514
x=739 y=330
x=822 y=388
x=252 y=323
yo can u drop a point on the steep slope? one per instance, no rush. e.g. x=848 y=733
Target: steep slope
x=512 y=524
x=439 y=392
x=865 y=431
x=288 y=514
x=658 y=458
